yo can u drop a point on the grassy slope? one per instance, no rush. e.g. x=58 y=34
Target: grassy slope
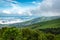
x=47 y=24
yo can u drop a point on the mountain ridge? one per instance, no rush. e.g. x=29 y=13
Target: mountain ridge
x=30 y=22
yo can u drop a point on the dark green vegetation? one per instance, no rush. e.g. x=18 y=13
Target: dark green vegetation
x=47 y=30
x=26 y=34
x=46 y=24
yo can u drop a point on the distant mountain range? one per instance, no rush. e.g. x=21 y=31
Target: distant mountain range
x=30 y=22
x=51 y=24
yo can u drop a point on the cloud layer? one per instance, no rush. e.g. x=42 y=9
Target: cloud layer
x=49 y=8
x=45 y=8
x=10 y=22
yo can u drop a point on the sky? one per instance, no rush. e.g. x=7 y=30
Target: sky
x=28 y=9
x=18 y=7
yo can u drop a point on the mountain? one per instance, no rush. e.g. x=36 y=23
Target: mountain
x=55 y=23
x=30 y=22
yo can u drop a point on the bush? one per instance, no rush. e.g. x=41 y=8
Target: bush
x=24 y=34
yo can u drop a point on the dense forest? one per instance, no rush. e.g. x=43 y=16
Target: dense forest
x=14 y=33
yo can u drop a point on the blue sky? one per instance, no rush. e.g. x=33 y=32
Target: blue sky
x=29 y=8
x=18 y=7
x=28 y=1
x=23 y=3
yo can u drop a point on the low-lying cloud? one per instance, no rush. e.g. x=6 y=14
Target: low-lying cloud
x=10 y=22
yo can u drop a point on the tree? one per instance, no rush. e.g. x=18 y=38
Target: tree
x=50 y=36
x=11 y=34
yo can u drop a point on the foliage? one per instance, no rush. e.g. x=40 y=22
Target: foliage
x=24 y=34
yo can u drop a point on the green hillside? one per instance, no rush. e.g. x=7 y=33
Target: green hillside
x=47 y=24
x=47 y=30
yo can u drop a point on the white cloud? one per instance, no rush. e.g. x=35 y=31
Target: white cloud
x=48 y=8
x=6 y=11
x=21 y=11
x=11 y=22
